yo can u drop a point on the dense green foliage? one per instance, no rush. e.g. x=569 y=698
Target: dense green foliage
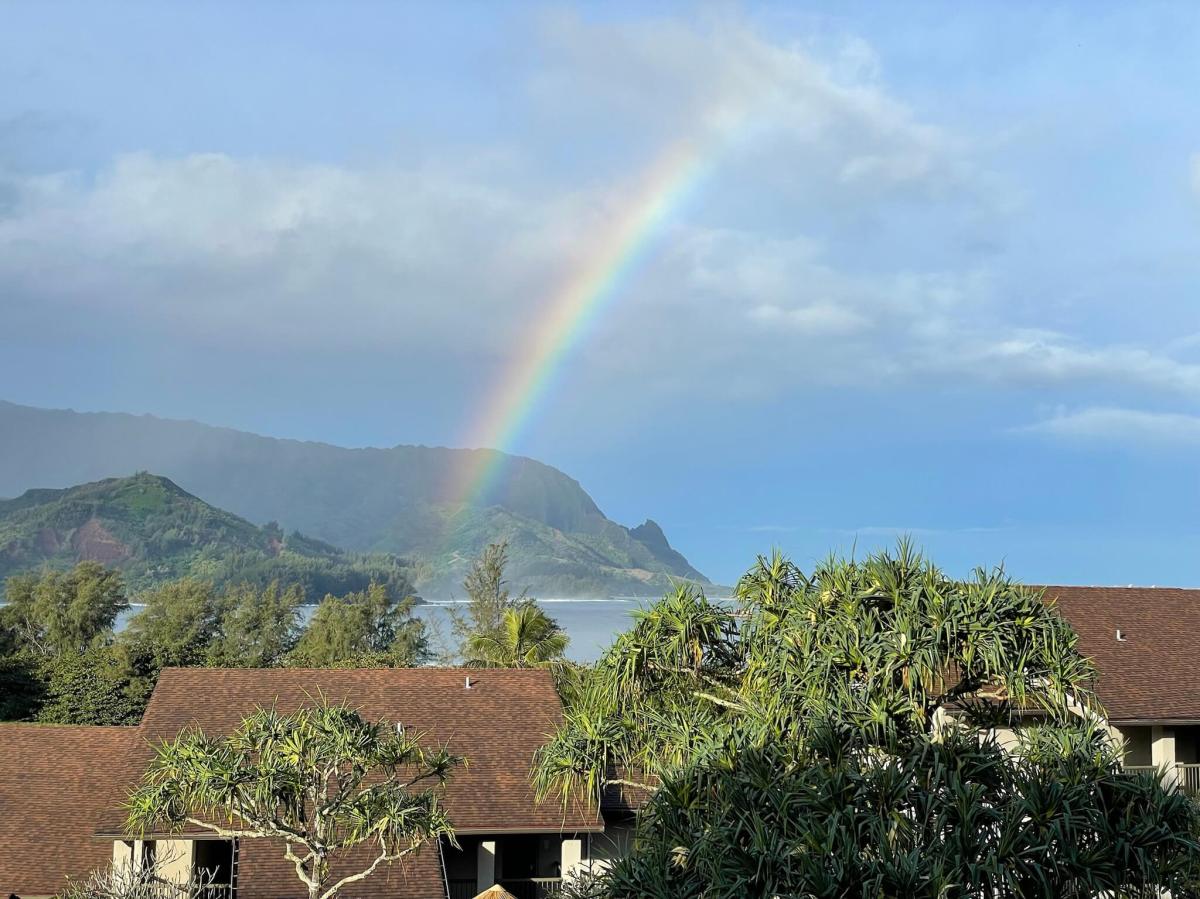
x=488 y=598
x=936 y=820
x=498 y=630
x=527 y=638
x=60 y=661
x=366 y=629
x=367 y=500
x=331 y=786
x=822 y=738
x=152 y=531
x=100 y=686
x=64 y=612
x=260 y=626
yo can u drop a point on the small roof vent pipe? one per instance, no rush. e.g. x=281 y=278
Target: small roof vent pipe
x=467 y=682
x=1121 y=638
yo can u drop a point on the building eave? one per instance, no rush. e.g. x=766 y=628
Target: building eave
x=597 y=827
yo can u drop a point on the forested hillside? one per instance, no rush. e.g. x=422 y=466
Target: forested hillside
x=398 y=500
x=153 y=531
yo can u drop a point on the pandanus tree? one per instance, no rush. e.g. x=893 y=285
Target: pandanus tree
x=834 y=735
x=343 y=796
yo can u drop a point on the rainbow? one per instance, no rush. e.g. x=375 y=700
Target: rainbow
x=570 y=312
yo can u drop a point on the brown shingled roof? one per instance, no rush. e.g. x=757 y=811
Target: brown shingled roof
x=53 y=784
x=1154 y=673
x=264 y=873
x=497 y=724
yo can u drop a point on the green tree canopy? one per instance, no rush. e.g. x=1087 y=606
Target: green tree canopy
x=487 y=599
x=785 y=744
x=323 y=781
x=527 y=638
x=178 y=624
x=366 y=628
x=58 y=612
x=259 y=625
x=97 y=686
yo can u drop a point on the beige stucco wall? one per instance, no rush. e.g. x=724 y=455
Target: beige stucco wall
x=174 y=860
x=1136 y=741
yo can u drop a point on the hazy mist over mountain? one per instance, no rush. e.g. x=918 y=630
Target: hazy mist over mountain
x=366 y=500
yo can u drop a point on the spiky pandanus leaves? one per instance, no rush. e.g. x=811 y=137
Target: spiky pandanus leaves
x=786 y=746
x=943 y=820
x=636 y=713
x=884 y=645
x=321 y=779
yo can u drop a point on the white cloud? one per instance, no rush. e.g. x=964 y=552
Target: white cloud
x=238 y=252
x=815 y=122
x=815 y=319
x=1043 y=357
x=1108 y=425
x=208 y=246
x=457 y=259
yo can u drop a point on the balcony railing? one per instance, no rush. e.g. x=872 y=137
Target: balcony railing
x=533 y=887
x=1187 y=776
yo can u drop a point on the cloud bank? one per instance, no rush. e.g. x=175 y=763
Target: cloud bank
x=1109 y=426
x=453 y=256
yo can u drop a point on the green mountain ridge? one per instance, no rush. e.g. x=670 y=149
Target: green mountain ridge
x=364 y=500
x=152 y=531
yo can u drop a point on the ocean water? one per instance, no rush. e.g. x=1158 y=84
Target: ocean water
x=590 y=623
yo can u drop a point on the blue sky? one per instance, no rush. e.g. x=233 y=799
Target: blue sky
x=941 y=276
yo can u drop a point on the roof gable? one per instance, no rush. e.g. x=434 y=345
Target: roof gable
x=1153 y=673
x=498 y=724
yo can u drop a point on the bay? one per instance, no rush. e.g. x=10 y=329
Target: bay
x=590 y=623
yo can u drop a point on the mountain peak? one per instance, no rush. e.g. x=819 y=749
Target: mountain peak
x=649 y=533
x=363 y=500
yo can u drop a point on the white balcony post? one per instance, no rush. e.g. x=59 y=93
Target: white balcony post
x=123 y=855
x=1162 y=753
x=572 y=859
x=176 y=861
x=485 y=865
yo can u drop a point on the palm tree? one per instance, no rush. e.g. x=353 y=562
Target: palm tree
x=527 y=638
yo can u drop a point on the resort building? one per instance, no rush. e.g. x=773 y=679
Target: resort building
x=62 y=788
x=1144 y=643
